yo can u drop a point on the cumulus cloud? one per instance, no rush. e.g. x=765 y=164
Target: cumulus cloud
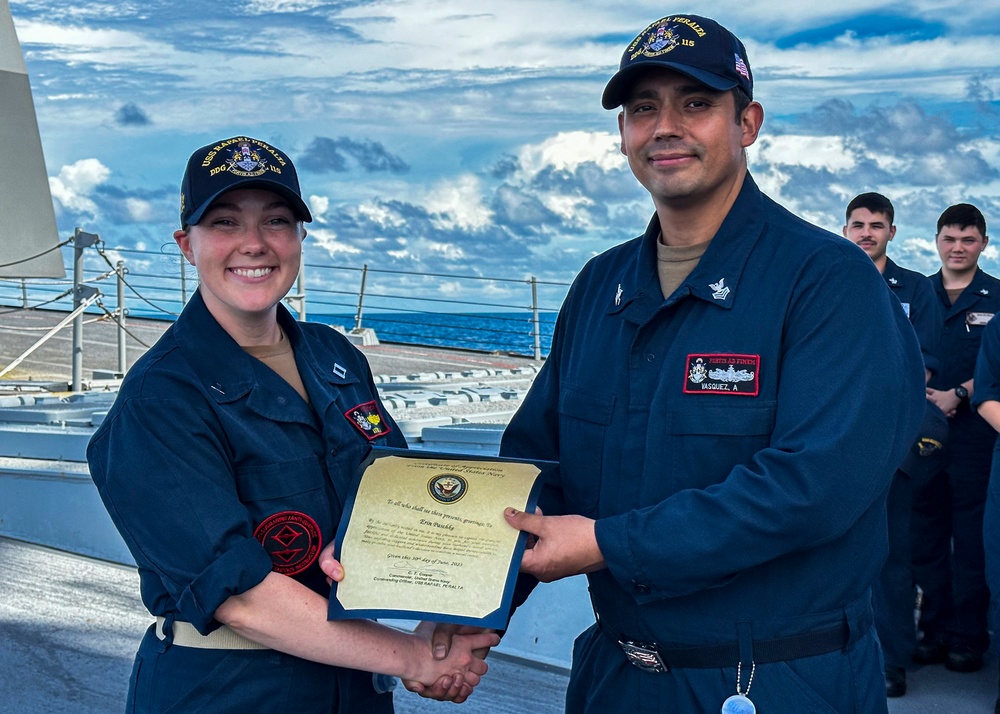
x=139 y=210
x=326 y=155
x=459 y=203
x=923 y=161
x=903 y=128
x=318 y=206
x=74 y=184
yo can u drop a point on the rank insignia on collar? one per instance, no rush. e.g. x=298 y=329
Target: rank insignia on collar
x=893 y=281
x=719 y=289
x=722 y=374
x=368 y=420
x=618 y=295
x=984 y=291
x=339 y=370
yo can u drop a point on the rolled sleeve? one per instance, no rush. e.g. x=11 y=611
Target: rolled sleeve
x=162 y=472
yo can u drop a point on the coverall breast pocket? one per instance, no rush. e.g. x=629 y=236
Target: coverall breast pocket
x=584 y=416
x=285 y=485
x=707 y=440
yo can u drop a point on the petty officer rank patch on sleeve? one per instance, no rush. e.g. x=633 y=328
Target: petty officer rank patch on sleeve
x=722 y=374
x=292 y=539
x=368 y=420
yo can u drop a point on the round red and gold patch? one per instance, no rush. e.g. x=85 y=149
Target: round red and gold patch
x=292 y=539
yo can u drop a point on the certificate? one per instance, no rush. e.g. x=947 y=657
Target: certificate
x=424 y=537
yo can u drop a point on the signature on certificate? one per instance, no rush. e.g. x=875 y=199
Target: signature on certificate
x=410 y=568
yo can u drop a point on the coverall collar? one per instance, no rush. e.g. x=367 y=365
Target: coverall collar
x=717 y=276
x=227 y=371
x=981 y=287
x=895 y=273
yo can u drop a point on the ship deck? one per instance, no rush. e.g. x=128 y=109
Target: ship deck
x=69 y=624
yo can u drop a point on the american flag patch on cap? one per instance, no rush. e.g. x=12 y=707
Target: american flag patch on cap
x=741 y=66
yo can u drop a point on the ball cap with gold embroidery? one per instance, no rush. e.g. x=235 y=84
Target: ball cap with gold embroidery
x=240 y=162
x=697 y=47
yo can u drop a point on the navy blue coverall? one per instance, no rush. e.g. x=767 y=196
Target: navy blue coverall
x=215 y=471
x=734 y=443
x=947 y=522
x=893 y=591
x=988 y=389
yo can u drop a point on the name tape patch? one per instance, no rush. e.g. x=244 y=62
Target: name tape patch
x=722 y=374
x=978 y=318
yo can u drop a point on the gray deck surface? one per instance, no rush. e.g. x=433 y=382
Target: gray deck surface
x=69 y=627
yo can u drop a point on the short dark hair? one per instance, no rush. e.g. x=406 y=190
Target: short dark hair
x=962 y=215
x=874 y=202
x=742 y=100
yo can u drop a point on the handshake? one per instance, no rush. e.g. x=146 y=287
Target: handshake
x=446 y=661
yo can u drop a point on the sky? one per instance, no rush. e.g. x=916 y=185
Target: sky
x=452 y=137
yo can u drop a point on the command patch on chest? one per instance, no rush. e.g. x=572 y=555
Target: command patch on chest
x=722 y=374
x=292 y=539
x=368 y=420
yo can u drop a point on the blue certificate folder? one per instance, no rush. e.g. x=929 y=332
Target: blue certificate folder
x=496 y=619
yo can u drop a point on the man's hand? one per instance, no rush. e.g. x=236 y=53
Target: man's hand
x=946 y=400
x=564 y=545
x=448 y=688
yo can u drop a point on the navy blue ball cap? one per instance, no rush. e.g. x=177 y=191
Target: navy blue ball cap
x=240 y=162
x=697 y=47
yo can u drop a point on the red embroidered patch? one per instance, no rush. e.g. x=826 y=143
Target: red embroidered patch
x=722 y=374
x=368 y=420
x=292 y=539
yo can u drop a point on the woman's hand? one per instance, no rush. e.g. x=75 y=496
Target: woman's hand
x=330 y=565
x=453 y=677
x=440 y=635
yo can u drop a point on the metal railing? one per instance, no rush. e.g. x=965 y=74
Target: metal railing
x=464 y=311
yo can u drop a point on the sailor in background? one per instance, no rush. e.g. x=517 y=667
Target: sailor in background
x=225 y=463
x=948 y=510
x=987 y=403
x=728 y=396
x=869 y=225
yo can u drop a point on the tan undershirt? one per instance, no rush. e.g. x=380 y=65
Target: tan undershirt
x=675 y=263
x=953 y=294
x=281 y=359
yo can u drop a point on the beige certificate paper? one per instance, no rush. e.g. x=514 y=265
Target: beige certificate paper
x=425 y=538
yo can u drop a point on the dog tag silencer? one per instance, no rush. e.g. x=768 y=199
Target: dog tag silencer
x=738 y=704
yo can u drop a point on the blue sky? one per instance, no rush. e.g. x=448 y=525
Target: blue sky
x=436 y=138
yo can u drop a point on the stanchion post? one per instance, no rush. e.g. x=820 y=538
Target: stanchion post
x=81 y=292
x=361 y=297
x=301 y=287
x=297 y=300
x=120 y=313
x=536 y=329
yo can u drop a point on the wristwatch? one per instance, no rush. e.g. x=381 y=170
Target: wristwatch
x=961 y=392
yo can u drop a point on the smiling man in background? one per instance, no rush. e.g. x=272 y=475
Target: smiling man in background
x=870 y=226
x=948 y=511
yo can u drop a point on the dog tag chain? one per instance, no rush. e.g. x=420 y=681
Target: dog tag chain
x=740 y=702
